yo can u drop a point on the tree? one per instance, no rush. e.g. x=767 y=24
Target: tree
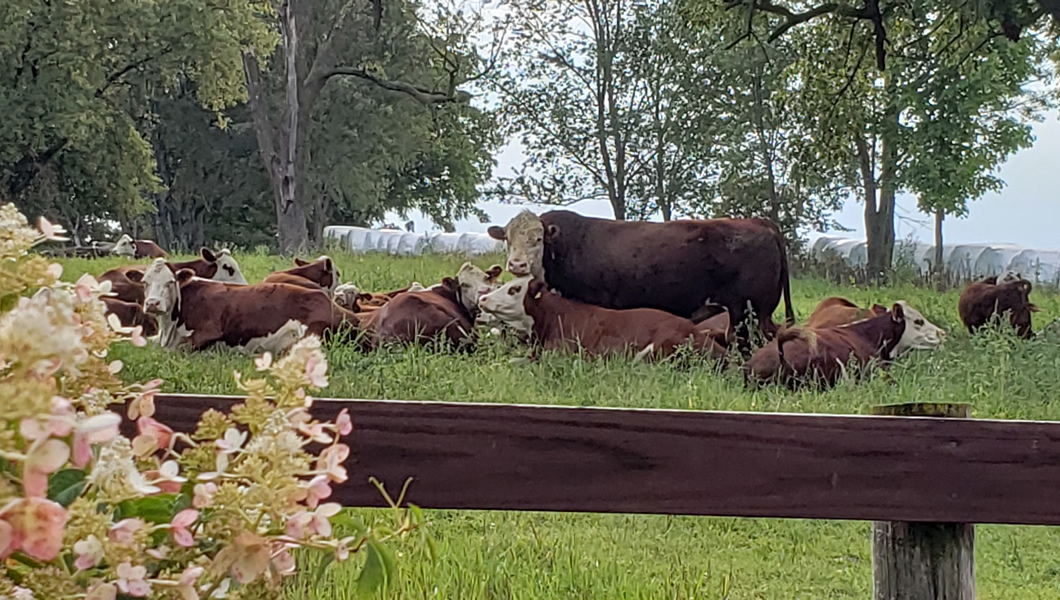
x=72 y=95
x=323 y=41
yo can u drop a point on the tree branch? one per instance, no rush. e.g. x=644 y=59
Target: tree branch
x=423 y=95
x=133 y=66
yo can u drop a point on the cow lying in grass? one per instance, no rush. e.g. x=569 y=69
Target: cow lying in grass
x=197 y=313
x=443 y=311
x=800 y=355
x=130 y=248
x=835 y=311
x=321 y=274
x=993 y=297
x=126 y=283
x=557 y=323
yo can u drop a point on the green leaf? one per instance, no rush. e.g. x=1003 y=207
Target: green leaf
x=66 y=485
x=373 y=574
x=387 y=556
x=322 y=568
x=153 y=509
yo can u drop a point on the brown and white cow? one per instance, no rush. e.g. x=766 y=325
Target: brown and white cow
x=128 y=247
x=448 y=309
x=349 y=295
x=983 y=301
x=198 y=313
x=318 y=274
x=557 y=323
x=691 y=268
x=821 y=354
x=836 y=311
x=127 y=282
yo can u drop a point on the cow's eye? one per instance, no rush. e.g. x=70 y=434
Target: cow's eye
x=513 y=291
x=919 y=322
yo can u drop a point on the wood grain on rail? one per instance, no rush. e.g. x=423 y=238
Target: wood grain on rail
x=518 y=457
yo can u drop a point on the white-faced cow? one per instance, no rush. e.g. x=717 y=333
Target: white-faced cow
x=128 y=247
x=556 y=323
x=199 y=313
x=801 y=355
x=691 y=268
x=127 y=282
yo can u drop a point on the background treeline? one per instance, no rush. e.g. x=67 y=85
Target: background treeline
x=252 y=122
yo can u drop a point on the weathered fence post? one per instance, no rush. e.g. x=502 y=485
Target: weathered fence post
x=923 y=561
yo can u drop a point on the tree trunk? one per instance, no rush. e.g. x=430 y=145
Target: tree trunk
x=939 y=267
x=879 y=222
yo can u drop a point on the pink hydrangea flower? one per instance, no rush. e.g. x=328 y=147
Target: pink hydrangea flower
x=331 y=462
x=44 y=459
x=319 y=488
x=186 y=583
x=102 y=591
x=316 y=370
x=98 y=429
x=133 y=580
x=123 y=531
x=36 y=527
x=306 y=524
x=153 y=436
x=204 y=494
x=343 y=422
x=89 y=552
x=179 y=527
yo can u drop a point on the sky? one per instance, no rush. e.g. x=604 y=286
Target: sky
x=1026 y=212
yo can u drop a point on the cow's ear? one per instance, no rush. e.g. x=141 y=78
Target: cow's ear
x=299 y=262
x=535 y=289
x=497 y=233
x=552 y=232
x=364 y=297
x=878 y=309
x=136 y=276
x=494 y=271
x=207 y=255
x=450 y=284
x=897 y=313
x=184 y=276
x=1025 y=286
x=328 y=265
x=1034 y=308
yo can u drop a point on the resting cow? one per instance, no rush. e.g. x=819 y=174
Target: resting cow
x=319 y=274
x=199 y=313
x=351 y=296
x=801 y=354
x=557 y=323
x=131 y=314
x=690 y=268
x=980 y=302
x=128 y=247
x=835 y=311
x=447 y=309
x=126 y=283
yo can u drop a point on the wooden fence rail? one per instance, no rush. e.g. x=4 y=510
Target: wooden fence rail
x=905 y=469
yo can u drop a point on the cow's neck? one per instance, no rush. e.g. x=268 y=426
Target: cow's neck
x=546 y=312
x=453 y=298
x=170 y=325
x=880 y=333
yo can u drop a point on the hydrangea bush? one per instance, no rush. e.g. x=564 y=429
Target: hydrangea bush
x=88 y=513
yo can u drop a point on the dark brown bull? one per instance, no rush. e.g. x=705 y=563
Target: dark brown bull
x=558 y=323
x=982 y=301
x=691 y=268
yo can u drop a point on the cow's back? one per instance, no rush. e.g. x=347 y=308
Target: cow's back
x=418 y=316
x=675 y=266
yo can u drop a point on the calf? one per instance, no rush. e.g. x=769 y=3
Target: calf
x=319 y=274
x=126 y=246
x=131 y=314
x=127 y=282
x=558 y=323
x=798 y=354
x=981 y=301
x=198 y=313
x=447 y=309
x=835 y=311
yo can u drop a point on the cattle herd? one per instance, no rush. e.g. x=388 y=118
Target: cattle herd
x=583 y=284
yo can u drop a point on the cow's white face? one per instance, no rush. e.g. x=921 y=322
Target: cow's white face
x=125 y=246
x=1008 y=277
x=919 y=334
x=228 y=269
x=161 y=289
x=507 y=303
x=473 y=283
x=525 y=236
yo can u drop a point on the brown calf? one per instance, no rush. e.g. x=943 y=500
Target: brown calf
x=821 y=354
x=981 y=301
x=835 y=311
x=417 y=317
x=558 y=323
x=319 y=274
x=200 y=313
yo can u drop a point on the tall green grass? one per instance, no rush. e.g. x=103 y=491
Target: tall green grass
x=508 y=555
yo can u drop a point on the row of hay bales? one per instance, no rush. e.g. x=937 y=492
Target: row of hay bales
x=969 y=261
x=403 y=243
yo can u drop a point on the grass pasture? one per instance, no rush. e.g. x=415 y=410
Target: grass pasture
x=506 y=555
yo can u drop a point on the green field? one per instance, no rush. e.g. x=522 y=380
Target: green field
x=487 y=555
